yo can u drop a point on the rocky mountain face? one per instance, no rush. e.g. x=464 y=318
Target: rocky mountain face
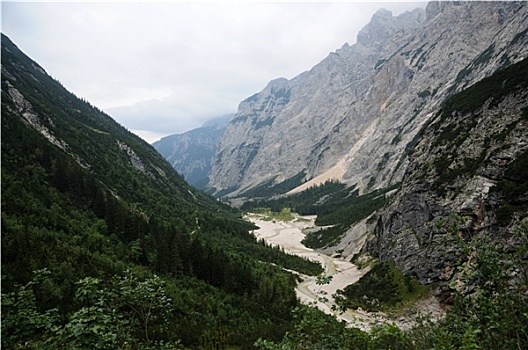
x=191 y=153
x=355 y=115
x=466 y=178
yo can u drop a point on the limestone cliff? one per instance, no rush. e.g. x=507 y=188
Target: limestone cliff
x=355 y=115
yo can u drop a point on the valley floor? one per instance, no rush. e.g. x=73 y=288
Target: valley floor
x=289 y=235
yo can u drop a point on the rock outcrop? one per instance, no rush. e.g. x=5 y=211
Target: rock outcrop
x=355 y=115
x=466 y=178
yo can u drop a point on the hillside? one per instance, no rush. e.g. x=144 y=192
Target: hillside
x=104 y=244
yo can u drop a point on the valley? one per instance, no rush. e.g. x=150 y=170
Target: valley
x=288 y=235
x=404 y=155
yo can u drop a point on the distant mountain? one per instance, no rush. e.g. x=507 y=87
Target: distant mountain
x=219 y=122
x=355 y=115
x=191 y=153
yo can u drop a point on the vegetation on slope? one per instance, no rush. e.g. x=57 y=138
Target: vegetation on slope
x=493 y=89
x=100 y=252
x=268 y=188
x=461 y=114
x=513 y=187
x=490 y=311
x=490 y=307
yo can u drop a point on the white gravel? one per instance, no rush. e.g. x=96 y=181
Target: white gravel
x=289 y=235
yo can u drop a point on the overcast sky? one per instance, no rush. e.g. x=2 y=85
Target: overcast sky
x=162 y=68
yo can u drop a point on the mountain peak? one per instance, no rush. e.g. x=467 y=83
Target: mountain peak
x=366 y=101
x=433 y=8
x=381 y=14
x=219 y=122
x=383 y=26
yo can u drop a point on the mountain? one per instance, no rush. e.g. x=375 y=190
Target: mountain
x=104 y=245
x=191 y=153
x=219 y=122
x=355 y=115
x=465 y=183
x=439 y=164
x=423 y=121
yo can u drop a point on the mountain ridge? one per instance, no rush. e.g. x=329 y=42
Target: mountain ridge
x=463 y=181
x=359 y=108
x=97 y=227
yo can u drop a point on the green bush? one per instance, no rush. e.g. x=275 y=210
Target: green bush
x=381 y=288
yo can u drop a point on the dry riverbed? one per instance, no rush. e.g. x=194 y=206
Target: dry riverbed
x=289 y=235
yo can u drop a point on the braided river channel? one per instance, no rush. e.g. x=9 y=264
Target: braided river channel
x=289 y=235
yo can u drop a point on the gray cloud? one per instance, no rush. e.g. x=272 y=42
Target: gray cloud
x=166 y=67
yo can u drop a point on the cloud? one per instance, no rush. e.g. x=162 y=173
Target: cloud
x=166 y=67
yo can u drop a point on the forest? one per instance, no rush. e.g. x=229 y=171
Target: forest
x=57 y=218
x=337 y=207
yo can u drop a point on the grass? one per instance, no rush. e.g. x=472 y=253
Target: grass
x=284 y=215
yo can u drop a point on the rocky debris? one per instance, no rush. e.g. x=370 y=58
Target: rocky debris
x=28 y=114
x=353 y=241
x=30 y=117
x=134 y=158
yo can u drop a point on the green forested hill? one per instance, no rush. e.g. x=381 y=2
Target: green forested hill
x=92 y=215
